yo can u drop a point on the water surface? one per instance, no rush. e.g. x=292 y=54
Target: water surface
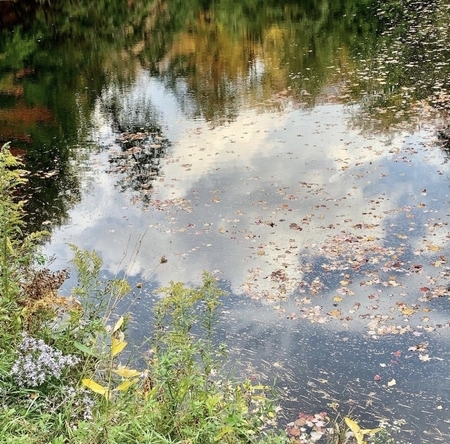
x=297 y=151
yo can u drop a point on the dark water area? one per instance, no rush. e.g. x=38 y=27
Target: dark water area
x=297 y=150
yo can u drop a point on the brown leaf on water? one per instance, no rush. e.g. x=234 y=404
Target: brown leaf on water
x=293 y=431
x=433 y=247
x=418 y=347
x=407 y=311
x=335 y=313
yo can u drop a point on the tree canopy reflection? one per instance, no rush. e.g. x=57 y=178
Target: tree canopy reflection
x=56 y=61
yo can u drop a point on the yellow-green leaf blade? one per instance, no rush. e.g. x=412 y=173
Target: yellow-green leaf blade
x=354 y=427
x=95 y=387
x=126 y=384
x=126 y=372
x=117 y=346
x=119 y=324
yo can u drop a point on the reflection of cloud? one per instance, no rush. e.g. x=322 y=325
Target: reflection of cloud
x=279 y=205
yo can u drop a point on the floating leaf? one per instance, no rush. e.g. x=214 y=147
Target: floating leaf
x=406 y=311
x=392 y=382
x=335 y=313
x=358 y=432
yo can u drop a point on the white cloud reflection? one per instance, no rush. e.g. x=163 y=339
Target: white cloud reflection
x=274 y=203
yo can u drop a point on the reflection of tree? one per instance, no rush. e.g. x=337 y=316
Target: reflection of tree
x=443 y=137
x=139 y=138
x=406 y=78
x=13 y=12
x=33 y=128
x=53 y=66
x=138 y=163
x=229 y=52
x=214 y=56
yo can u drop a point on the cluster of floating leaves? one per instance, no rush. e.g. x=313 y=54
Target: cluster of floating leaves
x=407 y=77
x=309 y=428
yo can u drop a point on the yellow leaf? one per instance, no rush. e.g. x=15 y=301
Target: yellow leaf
x=392 y=382
x=118 y=324
x=358 y=432
x=354 y=427
x=97 y=388
x=337 y=299
x=406 y=311
x=119 y=335
x=335 y=313
x=126 y=372
x=126 y=384
x=117 y=346
x=433 y=247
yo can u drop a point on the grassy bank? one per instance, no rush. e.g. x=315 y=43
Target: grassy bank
x=65 y=372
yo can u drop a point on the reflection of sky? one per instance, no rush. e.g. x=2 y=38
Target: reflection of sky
x=340 y=366
x=262 y=200
x=294 y=209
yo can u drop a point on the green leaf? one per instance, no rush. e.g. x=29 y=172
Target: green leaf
x=225 y=430
x=83 y=348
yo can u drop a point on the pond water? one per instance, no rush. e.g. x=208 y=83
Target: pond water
x=298 y=151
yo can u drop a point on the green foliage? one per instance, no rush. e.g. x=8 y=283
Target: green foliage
x=98 y=297
x=198 y=405
x=182 y=396
x=17 y=251
x=11 y=215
